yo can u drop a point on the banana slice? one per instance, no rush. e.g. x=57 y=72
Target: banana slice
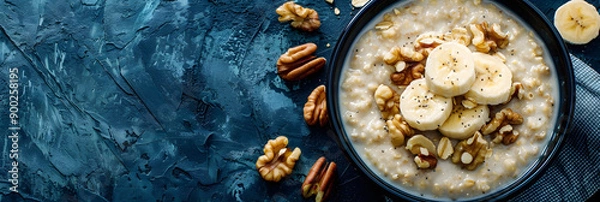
x=463 y=122
x=577 y=21
x=493 y=81
x=449 y=69
x=421 y=108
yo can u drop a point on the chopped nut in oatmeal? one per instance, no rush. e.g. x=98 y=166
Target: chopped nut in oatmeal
x=471 y=153
x=502 y=118
x=387 y=100
x=399 y=130
x=407 y=75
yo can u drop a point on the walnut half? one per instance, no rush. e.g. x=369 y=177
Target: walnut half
x=319 y=180
x=404 y=77
x=298 y=62
x=315 y=109
x=398 y=130
x=278 y=160
x=504 y=117
x=388 y=101
x=302 y=18
x=470 y=153
x=488 y=38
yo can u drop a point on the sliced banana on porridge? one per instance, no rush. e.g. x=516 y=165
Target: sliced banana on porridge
x=577 y=21
x=450 y=69
x=463 y=122
x=421 y=108
x=493 y=81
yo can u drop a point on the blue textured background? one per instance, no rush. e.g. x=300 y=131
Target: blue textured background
x=166 y=100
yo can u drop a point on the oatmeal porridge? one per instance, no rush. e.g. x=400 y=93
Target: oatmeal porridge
x=448 y=98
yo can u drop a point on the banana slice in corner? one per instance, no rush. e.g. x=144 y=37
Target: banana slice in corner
x=577 y=21
x=492 y=82
x=450 y=69
x=421 y=108
x=463 y=122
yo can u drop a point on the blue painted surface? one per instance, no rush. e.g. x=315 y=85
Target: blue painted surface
x=165 y=99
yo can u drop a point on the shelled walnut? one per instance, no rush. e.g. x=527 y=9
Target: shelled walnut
x=415 y=143
x=506 y=135
x=388 y=101
x=425 y=159
x=398 y=130
x=402 y=54
x=460 y=35
x=486 y=38
x=302 y=18
x=319 y=180
x=278 y=160
x=412 y=72
x=315 y=109
x=298 y=62
x=471 y=153
x=504 y=117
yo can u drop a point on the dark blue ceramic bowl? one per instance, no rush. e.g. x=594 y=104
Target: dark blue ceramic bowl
x=529 y=15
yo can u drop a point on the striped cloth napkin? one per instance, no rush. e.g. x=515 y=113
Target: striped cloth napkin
x=574 y=175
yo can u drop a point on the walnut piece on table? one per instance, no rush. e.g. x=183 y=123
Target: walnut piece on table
x=298 y=62
x=278 y=160
x=305 y=19
x=315 y=109
x=319 y=180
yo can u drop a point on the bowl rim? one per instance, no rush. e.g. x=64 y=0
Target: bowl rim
x=521 y=9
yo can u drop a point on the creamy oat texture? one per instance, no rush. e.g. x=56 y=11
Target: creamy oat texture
x=365 y=70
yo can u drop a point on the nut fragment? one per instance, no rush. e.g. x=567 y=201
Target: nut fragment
x=388 y=101
x=319 y=180
x=471 y=152
x=445 y=148
x=298 y=62
x=302 y=18
x=419 y=141
x=399 y=130
x=486 y=38
x=410 y=73
x=429 y=40
x=402 y=54
x=506 y=135
x=278 y=160
x=502 y=118
x=460 y=35
x=315 y=109
x=425 y=159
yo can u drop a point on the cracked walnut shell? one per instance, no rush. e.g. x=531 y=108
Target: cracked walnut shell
x=388 y=101
x=302 y=18
x=298 y=62
x=315 y=109
x=278 y=160
x=471 y=153
x=319 y=180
